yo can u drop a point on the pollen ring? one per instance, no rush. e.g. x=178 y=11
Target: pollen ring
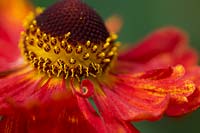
x=58 y=56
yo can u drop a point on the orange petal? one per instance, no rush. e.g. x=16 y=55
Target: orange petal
x=14 y=11
x=147 y=95
x=12 y=14
x=114 y=23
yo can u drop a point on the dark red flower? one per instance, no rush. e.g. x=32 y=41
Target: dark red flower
x=72 y=78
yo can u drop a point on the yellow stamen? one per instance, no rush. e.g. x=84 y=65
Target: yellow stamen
x=57 y=56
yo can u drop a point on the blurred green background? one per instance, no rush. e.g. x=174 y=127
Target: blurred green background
x=142 y=17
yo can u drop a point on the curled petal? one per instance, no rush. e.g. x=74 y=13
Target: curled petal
x=193 y=101
x=176 y=84
x=86 y=89
x=148 y=95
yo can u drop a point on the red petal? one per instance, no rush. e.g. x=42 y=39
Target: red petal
x=113 y=123
x=146 y=95
x=6 y=48
x=193 y=103
x=177 y=85
x=165 y=40
x=11 y=13
x=131 y=104
x=91 y=115
x=47 y=105
x=13 y=124
x=193 y=100
x=15 y=88
x=101 y=122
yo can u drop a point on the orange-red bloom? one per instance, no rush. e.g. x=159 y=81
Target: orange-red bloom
x=159 y=76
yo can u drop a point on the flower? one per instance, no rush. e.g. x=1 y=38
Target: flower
x=72 y=78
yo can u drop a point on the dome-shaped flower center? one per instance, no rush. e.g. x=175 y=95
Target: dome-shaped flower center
x=68 y=39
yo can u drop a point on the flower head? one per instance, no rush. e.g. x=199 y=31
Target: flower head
x=71 y=77
x=68 y=40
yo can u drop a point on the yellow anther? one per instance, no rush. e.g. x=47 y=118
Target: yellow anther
x=27 y=38
x=63 y=44
x=110 y=53
x=101 y=55
x=38 y=31
x=69 y=49
x=114 y=49
x=67 y=35
x=56 y=50
x=88 y=43
x=86 y=56
x=45 y=38
x=106 y=45
x=79 y=50
x=106 y=60
x=72 y=61
x=31 y=27
x=23 y=34
x=34 y=22
x=36 y=40
x=53 y=41
x=108 y=39
x=114 y=36
x=39 y=10
x=94 y=48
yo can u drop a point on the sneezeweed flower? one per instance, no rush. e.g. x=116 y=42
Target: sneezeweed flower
x=72 y=78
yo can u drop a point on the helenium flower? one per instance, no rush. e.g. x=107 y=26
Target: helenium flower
x=72 y=77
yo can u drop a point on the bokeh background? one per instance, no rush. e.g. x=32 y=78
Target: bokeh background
x=141 y=17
